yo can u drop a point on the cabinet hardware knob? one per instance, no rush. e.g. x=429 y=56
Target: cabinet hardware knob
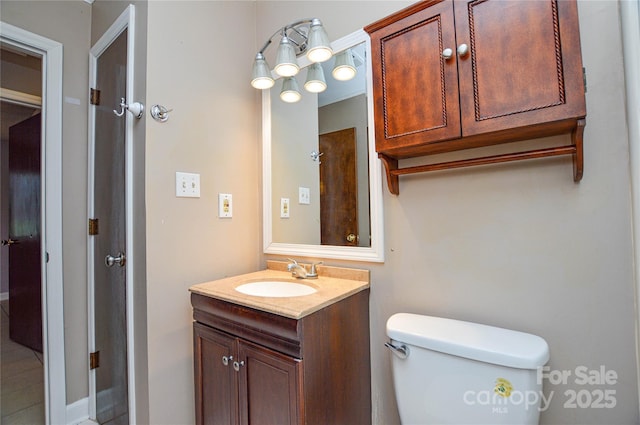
x=351 y=237
x=447 y=53
x=238 y=365
x=463 y=50
x=225 y=360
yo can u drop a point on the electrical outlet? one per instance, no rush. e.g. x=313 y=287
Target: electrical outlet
x=304 y=196
x=225 y=205
x=187 y=185
x=284 y=207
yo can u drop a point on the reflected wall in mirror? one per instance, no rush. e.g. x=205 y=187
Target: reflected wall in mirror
x=320 y=164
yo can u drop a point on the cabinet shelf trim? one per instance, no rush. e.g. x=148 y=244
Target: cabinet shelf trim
x=575 y=149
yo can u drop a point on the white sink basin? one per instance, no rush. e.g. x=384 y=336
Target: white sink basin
x=275 y=288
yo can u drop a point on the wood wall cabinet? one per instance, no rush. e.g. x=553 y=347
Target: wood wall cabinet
x=459 y=74
x=254 y=367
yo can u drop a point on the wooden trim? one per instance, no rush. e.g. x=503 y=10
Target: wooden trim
x=578 y=156
x=401 y=14
x=575 y=150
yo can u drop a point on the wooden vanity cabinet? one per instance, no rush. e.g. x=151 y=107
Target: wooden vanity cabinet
x=255 y=367
x=459 y=74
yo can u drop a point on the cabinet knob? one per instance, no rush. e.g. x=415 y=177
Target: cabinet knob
x=238 y=365
x=463 y=50
x=225 y=360
x=447 y=53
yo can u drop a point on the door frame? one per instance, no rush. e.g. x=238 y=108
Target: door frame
x=51 y=216
x=630 y=20
x=124 y=22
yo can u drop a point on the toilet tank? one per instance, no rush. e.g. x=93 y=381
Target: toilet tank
x=457 y=372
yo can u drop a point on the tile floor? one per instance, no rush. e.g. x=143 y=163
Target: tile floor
x=21 y=379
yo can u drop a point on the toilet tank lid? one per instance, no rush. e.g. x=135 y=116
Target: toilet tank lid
x=484 y=343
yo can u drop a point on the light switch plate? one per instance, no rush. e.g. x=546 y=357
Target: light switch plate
x=187 y=185
x=225 y=205
x=304 y=196
x=284 y=207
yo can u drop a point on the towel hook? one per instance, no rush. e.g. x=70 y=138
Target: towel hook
x=160 y=113
x=136 y=108
x=315 y=156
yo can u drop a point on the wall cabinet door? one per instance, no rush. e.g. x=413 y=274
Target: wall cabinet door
x=415 y=88
x=523 y=64
x=270 y=386
x=215 y=379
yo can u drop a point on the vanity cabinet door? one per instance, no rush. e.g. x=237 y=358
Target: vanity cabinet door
x=270 y=386
x=215 y=379
x=522 y=66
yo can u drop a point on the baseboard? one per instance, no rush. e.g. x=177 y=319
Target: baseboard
x=4 y=296
x=78 y=413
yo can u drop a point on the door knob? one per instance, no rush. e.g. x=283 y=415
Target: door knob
x=110 y=260
x=7 y=242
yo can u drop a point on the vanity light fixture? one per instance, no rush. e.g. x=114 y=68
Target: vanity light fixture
x=308 y=37
x=319 y=49
x=290 y=92
x=261 y=75
x=286 y=63
x=297 y=38
x=315 y=79
x=345 y=68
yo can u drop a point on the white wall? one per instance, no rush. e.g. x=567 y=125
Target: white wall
x=199 y=61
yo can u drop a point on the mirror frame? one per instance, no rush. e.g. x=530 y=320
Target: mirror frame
x=374 y=253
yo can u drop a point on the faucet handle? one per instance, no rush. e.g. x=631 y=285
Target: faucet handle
x=292 y=264
x=313 y=272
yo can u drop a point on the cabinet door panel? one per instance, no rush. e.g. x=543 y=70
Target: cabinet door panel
x=517 y=73
x=216 y=384
x=270 y=386
x=415 y=88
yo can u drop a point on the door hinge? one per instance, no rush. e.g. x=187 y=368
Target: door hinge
x=93 y=227
x=584 y=78
x=94 y=97
x=94 y=360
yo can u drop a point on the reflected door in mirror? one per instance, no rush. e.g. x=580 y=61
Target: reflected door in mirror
x=338 y=188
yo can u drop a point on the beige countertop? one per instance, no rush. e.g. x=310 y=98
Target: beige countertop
x=333 y=284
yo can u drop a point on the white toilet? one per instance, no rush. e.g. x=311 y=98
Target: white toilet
x=453 y=372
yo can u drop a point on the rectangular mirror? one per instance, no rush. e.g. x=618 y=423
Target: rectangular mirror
x=322 y=189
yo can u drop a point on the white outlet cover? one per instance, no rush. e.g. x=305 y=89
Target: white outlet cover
x=304 y=196
x=225 y=205
x=285 y=207
x=187 y=185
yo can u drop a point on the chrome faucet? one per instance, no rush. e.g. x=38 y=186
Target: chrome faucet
x=300 y=272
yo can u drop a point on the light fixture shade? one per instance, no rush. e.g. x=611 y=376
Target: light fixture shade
x=286 y=63
x=345 y=68
x=318 y=45
x=261 y=75
x=290 y=92
x=315 y=79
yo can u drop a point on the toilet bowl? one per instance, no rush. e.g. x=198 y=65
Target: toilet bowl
x=448 y=371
